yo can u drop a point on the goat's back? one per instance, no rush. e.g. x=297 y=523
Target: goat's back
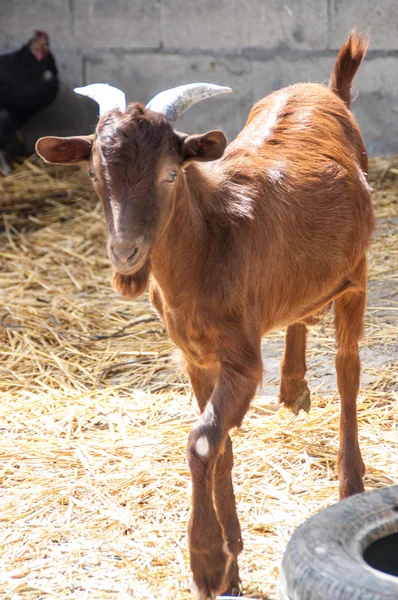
x=304 y=119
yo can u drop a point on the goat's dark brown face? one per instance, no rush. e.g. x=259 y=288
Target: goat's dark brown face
x=135 y=160
x=134 y=166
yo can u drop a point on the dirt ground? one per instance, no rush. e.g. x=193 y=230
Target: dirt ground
x=94 y=413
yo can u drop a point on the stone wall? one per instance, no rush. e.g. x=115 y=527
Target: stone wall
x=254 y=46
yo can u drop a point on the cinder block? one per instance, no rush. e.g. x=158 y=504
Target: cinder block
x=70 y=66
x=379 y=18
x=238 y=24
x=18 y=19
x=376 y=104
x=204 y=24
x=143 y=75
x=280 y=72
x=117 y=23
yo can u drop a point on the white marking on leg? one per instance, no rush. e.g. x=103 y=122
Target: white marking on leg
x=202 y=446
x=206 y=418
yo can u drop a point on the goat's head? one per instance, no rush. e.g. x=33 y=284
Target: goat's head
x=134 y=159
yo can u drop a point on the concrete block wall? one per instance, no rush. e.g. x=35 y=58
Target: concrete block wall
x=254 y=46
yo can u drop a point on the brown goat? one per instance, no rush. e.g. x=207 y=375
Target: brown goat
x=265 y=233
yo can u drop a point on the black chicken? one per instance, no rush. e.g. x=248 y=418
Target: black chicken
x=28 y=83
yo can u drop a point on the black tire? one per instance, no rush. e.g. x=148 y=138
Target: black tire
x=324 y=558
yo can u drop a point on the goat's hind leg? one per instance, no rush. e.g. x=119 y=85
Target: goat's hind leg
x=349 y=312
x=294 y=391
x=349 y=316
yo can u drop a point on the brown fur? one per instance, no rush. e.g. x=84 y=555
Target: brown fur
x=267 y=236
x=349 y=58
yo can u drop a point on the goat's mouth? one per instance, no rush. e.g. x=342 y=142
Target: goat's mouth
x=132 y=263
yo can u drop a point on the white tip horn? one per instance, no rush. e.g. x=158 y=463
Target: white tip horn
x=107 y=96
x=174 y=102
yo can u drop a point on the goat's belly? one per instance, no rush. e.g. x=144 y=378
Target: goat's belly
x=306 y=306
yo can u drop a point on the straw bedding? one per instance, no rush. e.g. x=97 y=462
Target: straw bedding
x=94 y=498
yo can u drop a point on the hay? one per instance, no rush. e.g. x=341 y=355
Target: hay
x=95 y=414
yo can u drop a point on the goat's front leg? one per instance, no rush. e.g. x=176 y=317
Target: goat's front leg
x=203 y=383
x=294 y=390
x=212 y=556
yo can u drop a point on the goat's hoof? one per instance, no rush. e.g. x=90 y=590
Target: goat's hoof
x=210 y=573
x=302 y=402
x=234 y=581
x=351 y=470
x=349 y=489
x=213 y=578
x=352 y=484
x=231 y=592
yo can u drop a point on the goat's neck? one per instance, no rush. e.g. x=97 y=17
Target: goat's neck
x=178 y=256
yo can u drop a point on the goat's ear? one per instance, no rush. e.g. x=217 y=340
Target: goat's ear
x=65 y=151
x=205 y=147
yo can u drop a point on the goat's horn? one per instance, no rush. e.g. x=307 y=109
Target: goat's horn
x=107 y=96
x=174 y=102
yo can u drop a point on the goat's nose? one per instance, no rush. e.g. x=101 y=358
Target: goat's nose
x=123 y=254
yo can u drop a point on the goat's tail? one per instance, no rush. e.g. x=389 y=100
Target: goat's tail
x=349 y=58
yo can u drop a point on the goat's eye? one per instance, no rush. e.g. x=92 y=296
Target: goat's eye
x=91 y=173
x=171 y=176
